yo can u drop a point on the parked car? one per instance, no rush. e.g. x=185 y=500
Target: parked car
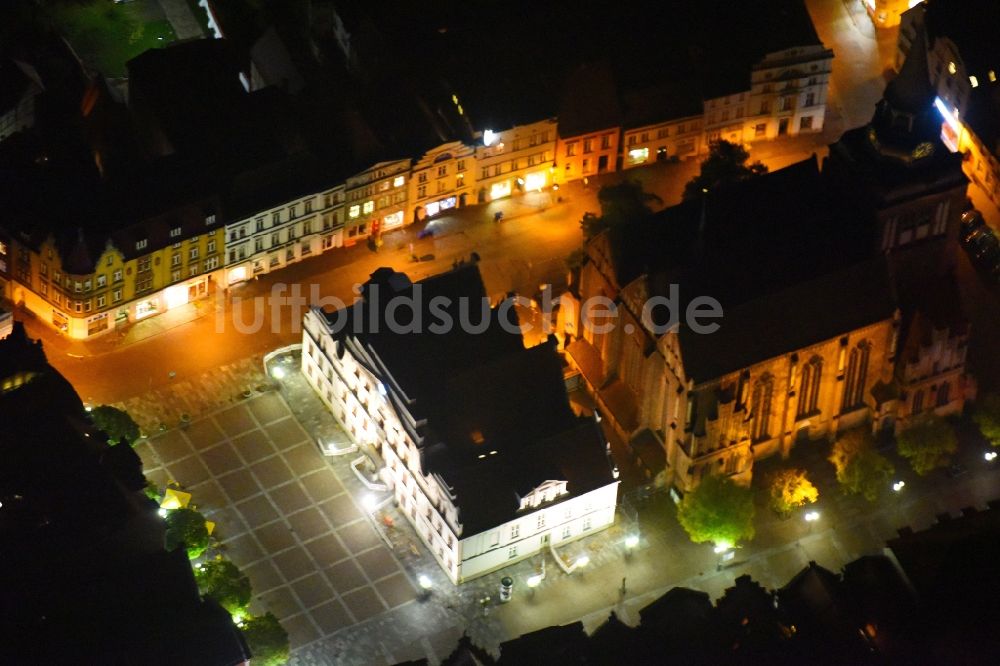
x=984 y=247
x=971 y=220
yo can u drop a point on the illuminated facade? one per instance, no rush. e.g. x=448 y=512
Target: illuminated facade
x=515 y=160
x=91 y=286
x=487 y=476
x=585 y=155
x=888 y=13
x=271 y=239
x=964 y=68
x=376 y=200
x=788 y=93
x=442 y=179
x=673 y=139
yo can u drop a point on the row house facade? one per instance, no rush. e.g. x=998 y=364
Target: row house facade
x=667 y=140
x=89 y=287
x=377 y=409
x=444 y=178
x=520 y=159
x=586 y=155
x=290 y=232
x=375 y=200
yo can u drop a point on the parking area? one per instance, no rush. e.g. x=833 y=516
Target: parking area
x=283 y=516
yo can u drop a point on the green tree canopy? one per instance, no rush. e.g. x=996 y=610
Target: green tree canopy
x=621 y=203
x=718 y=510
x=791 y=488
x=187 y=526
x=116 y=423
x=222 y=580
x=860 y=469
x=267 y=639
x=726 y=163
x=986 y=415
x=928 y=443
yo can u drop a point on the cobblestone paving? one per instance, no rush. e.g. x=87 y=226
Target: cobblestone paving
x=200 y=395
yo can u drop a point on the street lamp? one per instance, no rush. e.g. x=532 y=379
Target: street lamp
x=278 y=373
x=811 y=516
x=369 y=502
x=990 y=456
x=162 y=512
x=424 y=582
x=898 y=486
x=721 y=547
x=582 y=561
x=631 y=541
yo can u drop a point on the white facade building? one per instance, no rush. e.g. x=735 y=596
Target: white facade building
x=482 y=488
x=275 y=237
x=376 y=199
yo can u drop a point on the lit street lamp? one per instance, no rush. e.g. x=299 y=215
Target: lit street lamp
x=990 y=456
x=811 y=516
x=898 y=486
x=278 y=373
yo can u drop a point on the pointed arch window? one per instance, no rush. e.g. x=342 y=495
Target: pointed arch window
x=918 y=402
x=943 y=394
x=856 y=377
x=809 y=394
x=760 y=408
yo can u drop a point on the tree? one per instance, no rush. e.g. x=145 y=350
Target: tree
x=116 y=424
x=718 y=510
x=187 y=526
x=927 y=443
x=621 y=203
x=860 y=469
x=726 y=163
x=986 y=415
x=267 y=639
x=791 y=488
x=222 y=580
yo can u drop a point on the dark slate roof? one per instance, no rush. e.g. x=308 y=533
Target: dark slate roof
x=772 y=249
x=14 y=82
x=911 y=89
x=466 y=386
x=275 y=183
x=565 y=644
x=808 y=313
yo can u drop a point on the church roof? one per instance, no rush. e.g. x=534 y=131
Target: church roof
x=911 y=90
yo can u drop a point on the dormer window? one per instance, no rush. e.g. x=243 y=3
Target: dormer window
x=142 y=244
x=175 y=232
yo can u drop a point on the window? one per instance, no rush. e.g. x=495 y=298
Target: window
x=856 y=377
x=354 y=211
x=211 y=263
x=193 y=270
x=421 y=191
x=141 y=244
x=760 y=407
x=258 y=244
x=442 y=171
x=785 y=104
x=117 y=277
x=566 y=531
x=275 y=239
x=586 y=523
x=918 y=402
x=606 y=141
x=810 y=99
x=588 y=146
x=369 y=206
x=809 y=390
x=512 y=552
x=307 y=227
x=210 y=219
x=116 y=295
x=515 y=531
x=571 y=149
x=309 y=206
x=77 y=287
x=175 y=259
x=541 y=521
x=806 y=122
x=422 y=178
x=175 y=232
x=193 y=253
x=102 y=280
x=259 y=224
x=293 y=211
x=398 y=181
x=175 y=275
x=102 y=301
x=760 y=129
x=943 y=394
x=460 y=165
x=211 y=246
x=275 y=218
x=765 y=107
